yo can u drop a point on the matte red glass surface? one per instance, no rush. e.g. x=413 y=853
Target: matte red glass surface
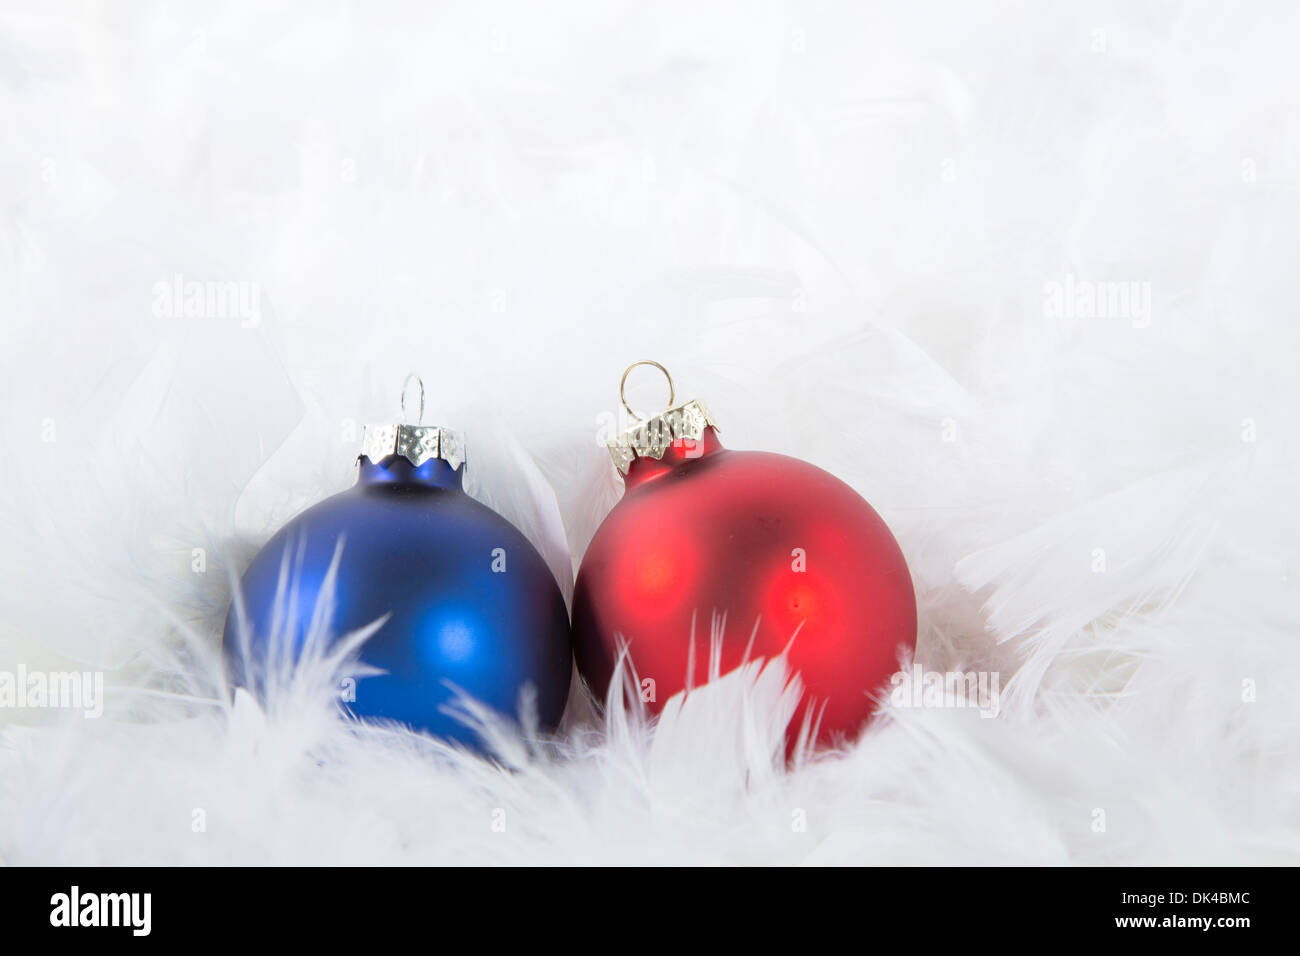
x=791 y=554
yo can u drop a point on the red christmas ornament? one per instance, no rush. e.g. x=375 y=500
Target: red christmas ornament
x=792 y=555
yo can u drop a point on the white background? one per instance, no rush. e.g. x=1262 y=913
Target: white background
x=840 y=224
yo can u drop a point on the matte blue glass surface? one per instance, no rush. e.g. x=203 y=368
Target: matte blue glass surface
x=471 y=601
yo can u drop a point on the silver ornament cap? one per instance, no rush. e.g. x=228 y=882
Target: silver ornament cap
x=416 y=443
x=651 y=436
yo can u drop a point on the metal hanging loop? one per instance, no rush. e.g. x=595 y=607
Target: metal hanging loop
x=406 y=385
x=622 y=385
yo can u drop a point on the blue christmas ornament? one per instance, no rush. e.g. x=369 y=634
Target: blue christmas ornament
x=466 y=600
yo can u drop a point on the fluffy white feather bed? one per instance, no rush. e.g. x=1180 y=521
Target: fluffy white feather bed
x=1024 y=277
